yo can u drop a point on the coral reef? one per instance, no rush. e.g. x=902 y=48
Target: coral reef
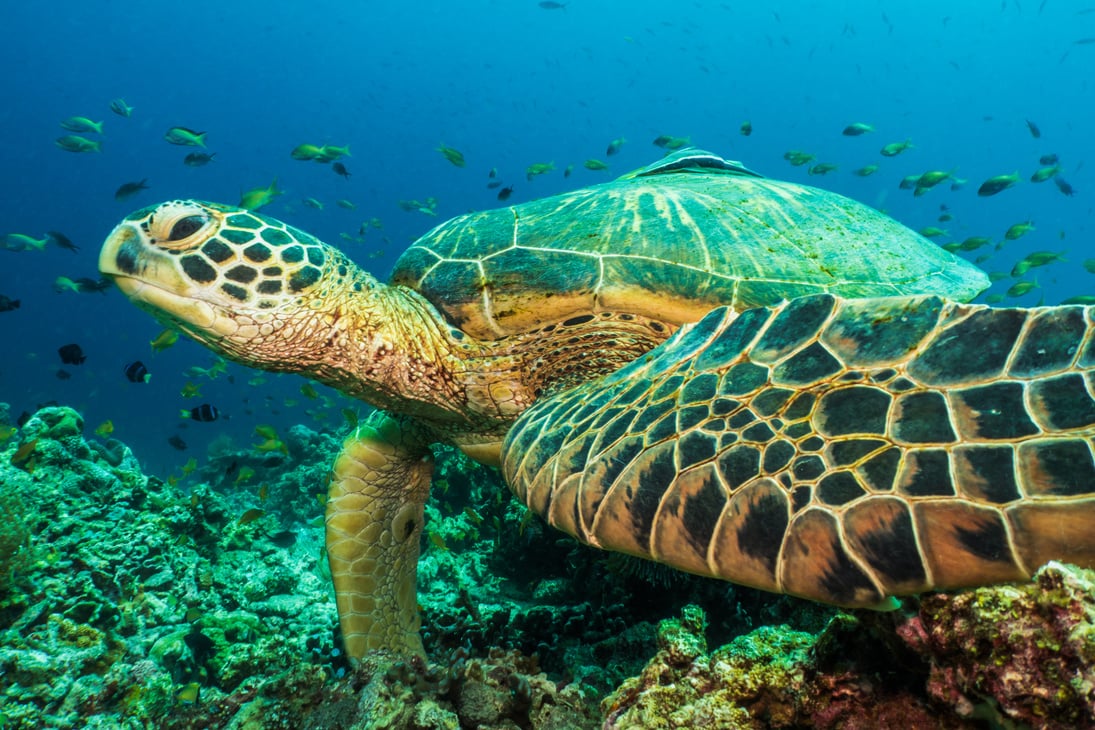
x=203 y=601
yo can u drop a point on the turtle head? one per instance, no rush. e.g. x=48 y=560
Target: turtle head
x=246 y=285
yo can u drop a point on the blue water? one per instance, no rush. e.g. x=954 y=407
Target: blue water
x=509 y=84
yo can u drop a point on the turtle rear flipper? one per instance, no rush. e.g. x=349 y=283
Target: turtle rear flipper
x=840 y=450
x=375 y=510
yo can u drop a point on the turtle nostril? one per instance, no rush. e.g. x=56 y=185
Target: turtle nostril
x=185 y=227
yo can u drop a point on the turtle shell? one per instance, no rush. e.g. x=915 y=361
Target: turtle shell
x=670 y=242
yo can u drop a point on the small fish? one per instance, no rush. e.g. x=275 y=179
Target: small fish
x=191 y=390
x=908 y=182
x=185 y=137
x=62 y=241
x=76 y=143
x=259 y=197
x=340 y=169
x=857 y=128
x=72 y=354
x=62 y=284
x=270 y=445
x=22 y=457
x=822 y=168
x=593 y=164
x=188 y=693
x=493 y=173
x=1018 y=230
x=1020 y=268
x=1064 y=186
x=309 y=391
x=7 y=304
x=346 y=204
x=538 y=168
x=893 y=149
x=437 y=540
x=1020 y=288
x=82 y=125
x=306 y=152
x=1085 y=299
x=1089 y=266
x=164 y=340
x=670 y=142
x=614 y=146
x=177 y=442
x=119 y=107
x=866 y=170
x=1044 y=173
x=129 y=189
x=23 y=242
x=504 y=193
x=245 y=474
x=1043 y=258
x=454 y=156
x=330 y=152
x=567 y=171
x=1034 y=131
x=994 y=298
x=7 y=431
x=932 y=232
x=312 y=203
x=267 y=432
x=204 y=413
x=198 y=159
x=189 y=467
x=997 y=184
x=798 y=158
x=974 y=242
x=746 y=128
x=930 y=179
x=1050 y=159
x=104 y=429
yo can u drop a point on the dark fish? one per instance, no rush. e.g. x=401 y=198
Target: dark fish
x=340 y=169
x=1034 y=131
x=62 y=241
x=997 y=184
x=504 y=193
x=1051 y=159
x=1081 y=42
x=204 y=412
x=1064 y=186
x=129 y=189
x=71 y=354
x=136 y=372
x=63 y=375
x=177 y=442
x=494 y=184
x=552 y=5
x=746 y=129
x=662 y=140
x=7 y=303
x=198 y=159
x=87 y=284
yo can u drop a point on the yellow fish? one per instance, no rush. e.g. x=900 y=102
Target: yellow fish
x=189 y=466
x=191 y=390
x=164 y=340
x=104 y=429
x=251 y=515
x=246 y=473
x=259 y=197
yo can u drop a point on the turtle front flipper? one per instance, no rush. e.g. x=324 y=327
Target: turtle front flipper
x=845 y=451
x=375 y=508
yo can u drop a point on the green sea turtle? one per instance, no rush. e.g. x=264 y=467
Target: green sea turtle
x=739 y=377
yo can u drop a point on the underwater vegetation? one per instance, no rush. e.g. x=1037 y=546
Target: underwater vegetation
x=129 y=602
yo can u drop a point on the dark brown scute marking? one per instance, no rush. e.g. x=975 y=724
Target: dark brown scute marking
x=699 y=389
x=617 y=427
x=686 y=523
x=884 y=375
x=800 y=498
x=277 y=237
x=813 y=364
x=800 y=407
x=814 y=563
x=798 y=323
x=236 y=292
x=880 y=530
x=1045 y=531
x=986 y=473
x=1087 y=357
x=858 y=409
x=863 y=334
x=922 y=418
x=272 y=271
x=563 y=510
x=769 y=401
x=270 y=286
x=741 y=419
x=808 y=468
x=304 y=278
x=964 y=544
x=667 y=388
x=258 y=252
x=900 y=385
x=1052 y=338
x=627 y=512
x=777 y=455
x=926 y=473
x=743 y=378
x=972 y=350
x=652 y=413
x=691 y=416
x=292 y=254
x=198 y=269
x=879 y=472
x=739 y=465
x=992 y=412
x=664 y=428
x=759 y=433
x=747 y=539
x=216 y=250
x=1056 y=467
x=839 y=488
x=315 y=255
x=243 y=220
x=798 y=430
x=1062 y=403
x=649 y=487
x=694 y=448
x=729 y=345
x=243 y=274
x=724 y=406
x=813 y=443
x=844 y=453
x=237 y=237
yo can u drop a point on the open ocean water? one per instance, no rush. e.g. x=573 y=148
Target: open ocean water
x=979 y=89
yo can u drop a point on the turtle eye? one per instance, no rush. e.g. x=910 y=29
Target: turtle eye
x=185 y=227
